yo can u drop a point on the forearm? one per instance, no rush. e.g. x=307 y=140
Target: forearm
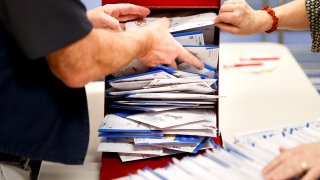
x=292 y=16
x=100 y=53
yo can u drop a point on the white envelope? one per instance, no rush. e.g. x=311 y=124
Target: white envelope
x=173 y=117
x=190 y=38
x=201 y=88
x=116 y=145
x=174 y=96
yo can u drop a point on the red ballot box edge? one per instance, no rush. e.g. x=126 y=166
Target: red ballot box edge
x=169 y=3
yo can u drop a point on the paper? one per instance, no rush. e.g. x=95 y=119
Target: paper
x=173 y=95
x=134 y=67
x=166 y=82
x=168 y=139
x=178 y=73
x=165 y=103
x=243 y=159
x=173 y=117
x=190 y=38
x=146 y=108
x=201 y=87
x=208 y=54
x=199 y=125
x=114 y=123
x=192 y=132
x=199 y=22
x=125 y=157
x=196 y=29
x=125 y=135
x=191 y=148
x=116 y=145
x=130 y=85
x=150 y=75
x=164 y=106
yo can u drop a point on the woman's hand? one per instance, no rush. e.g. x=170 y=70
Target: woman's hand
x=302 y=160
x=237 y=17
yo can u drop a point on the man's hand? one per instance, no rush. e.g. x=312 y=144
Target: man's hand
x=111 y=15
x=104 y=51
x=294 y=162
x=162 y=48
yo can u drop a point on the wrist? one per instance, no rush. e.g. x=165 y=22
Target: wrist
x=144 y=38
x=264 y=21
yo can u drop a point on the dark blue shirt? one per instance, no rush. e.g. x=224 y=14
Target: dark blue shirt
x=40 y=117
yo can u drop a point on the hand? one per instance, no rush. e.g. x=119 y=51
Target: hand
x=111 y=15
x=237 y=17
x=296 y=161
x=162 y=48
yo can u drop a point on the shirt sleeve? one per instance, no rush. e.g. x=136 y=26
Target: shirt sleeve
x=43 y=26
x=313 y=11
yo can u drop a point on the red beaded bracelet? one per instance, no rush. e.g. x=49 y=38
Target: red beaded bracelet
x=275 y=19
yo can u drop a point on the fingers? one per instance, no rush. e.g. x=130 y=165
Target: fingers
x=110 y=22
x=227 y=8
x=228 y=28
x=283 y=149
x=165 y=49
x=102 y=20
x=117 y=10
x=126 y=9
x=189 y=58
x=285 y=170
x=124 y=18
x=313 y=173
x=165 y=22
x=275 y=162
x=173 y=64
x=270 y=166
x=234 y=1
x=287 y=165
x=228 y=17
x=123 y=26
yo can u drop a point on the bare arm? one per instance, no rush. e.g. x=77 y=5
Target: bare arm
x=102 y=52
x=237 y=17
x=293 y=15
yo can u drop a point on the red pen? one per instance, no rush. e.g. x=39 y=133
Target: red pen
x=242 y=65
x=260 y=59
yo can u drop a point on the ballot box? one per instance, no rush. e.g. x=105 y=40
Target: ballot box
x=196 y=95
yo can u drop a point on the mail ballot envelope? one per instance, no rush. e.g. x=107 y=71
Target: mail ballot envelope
x=161 y=93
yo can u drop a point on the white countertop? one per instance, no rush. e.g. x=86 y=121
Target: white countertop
x=262 y=100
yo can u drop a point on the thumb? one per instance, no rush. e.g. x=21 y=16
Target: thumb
x=165 y=22
x=110 y=22
x=216 y=20
x=282 y=149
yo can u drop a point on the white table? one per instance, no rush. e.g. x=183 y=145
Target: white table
x=253 y=101
x=269 y=99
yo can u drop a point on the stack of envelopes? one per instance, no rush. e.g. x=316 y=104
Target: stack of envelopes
x=160 y=112
x=243 y=159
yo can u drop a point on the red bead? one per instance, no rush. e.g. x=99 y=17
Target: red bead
x=275 y=19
